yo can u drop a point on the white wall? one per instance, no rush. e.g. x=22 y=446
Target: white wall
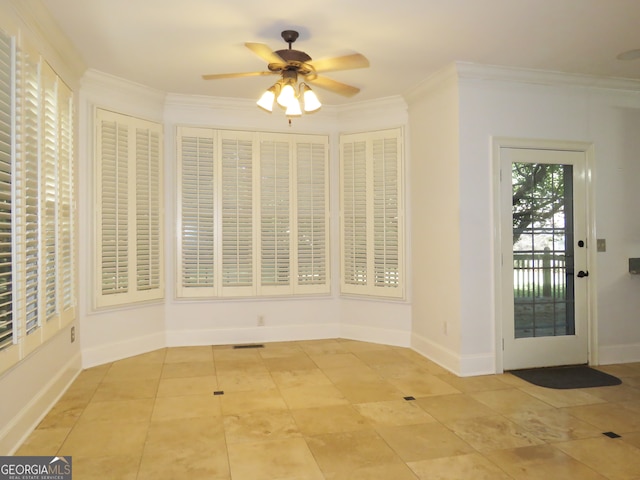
x=537 y=105
x=32 y=386
x=435 y=221
x=546 y=106
x=615 y=127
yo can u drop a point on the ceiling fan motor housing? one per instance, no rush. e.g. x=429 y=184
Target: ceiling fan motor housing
x=293 y=56
x=289 y=36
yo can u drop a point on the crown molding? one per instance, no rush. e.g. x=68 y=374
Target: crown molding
x=448 y=74
x=113 y=92
x=457 y=71
x=543 y=77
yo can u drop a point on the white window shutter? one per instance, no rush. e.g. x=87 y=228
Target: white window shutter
x=65 y=204
x=7 y=324
x=253 y=213
x=196 y=219
x=237 y=214
x=147 y=203
x=312 y=215
x=129 y=210
x=49 y=182
x=354 y=214
x=386 y=213
x=275 y=215
x=113 y=150
x=36 y=199
x=30 y=125
x=372 y=214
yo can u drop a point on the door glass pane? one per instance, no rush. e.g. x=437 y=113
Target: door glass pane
x=543 y=250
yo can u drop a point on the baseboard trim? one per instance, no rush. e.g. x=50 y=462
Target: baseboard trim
x=474 y=365
x=460 y=365
x=112 y=352
x=237 y=336
x=384 y=336
x=16 y=432
x=444 y=357
x=609 y=354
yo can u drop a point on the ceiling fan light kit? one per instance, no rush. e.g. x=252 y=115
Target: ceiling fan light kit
x=290 y=64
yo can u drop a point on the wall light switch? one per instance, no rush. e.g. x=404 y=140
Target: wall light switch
x=601 y=244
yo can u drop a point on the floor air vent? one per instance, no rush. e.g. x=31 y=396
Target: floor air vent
x=249 y=346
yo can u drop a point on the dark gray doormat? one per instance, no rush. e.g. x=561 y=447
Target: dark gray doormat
x=580 y=376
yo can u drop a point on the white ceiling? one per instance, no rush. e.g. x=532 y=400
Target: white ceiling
x=169 y=44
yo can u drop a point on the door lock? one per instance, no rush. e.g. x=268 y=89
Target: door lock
x=582 y=274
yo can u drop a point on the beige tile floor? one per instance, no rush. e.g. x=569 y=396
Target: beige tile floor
x=333 y=409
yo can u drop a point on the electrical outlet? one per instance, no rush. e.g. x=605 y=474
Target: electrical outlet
x=73 y=334
x=261 y=320
x=444 y=328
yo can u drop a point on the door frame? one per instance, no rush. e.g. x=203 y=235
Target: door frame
x=540 y=144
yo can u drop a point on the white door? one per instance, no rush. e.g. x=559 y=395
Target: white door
x=544 y=258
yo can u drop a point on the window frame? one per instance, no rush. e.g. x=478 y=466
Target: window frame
x=130 y=202
x=260 y=192
x=42 y=159
x=361 y=240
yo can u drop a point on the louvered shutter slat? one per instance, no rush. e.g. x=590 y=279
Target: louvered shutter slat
x=311 y=205
x=275 y=219
x=197 y=187
x=355 y=213
x=31 y=101
x=49 y=165
x=114 y=207
x=385 y=213
x=237 y=213
x=6 y=206
x=147 y=210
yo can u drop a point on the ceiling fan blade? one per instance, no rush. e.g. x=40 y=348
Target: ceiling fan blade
x=217 y=76
x=264 y=52
x=346 y=62
x=334 y=86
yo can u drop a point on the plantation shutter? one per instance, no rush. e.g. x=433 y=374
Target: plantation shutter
x=147 y=209
x=129 y=210
x=31 y=101
x=275 y=216
x=253 y=213
x=114 y=156
x=36 y=202
x=237 y=213
x=6 y=187
x=386 y=213
x=312 y=205
x=65 y=202
x=354 y=213
x=49 y=181
x=196 y=220
x=372 y=214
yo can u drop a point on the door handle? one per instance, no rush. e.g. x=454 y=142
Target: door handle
x=582 y=274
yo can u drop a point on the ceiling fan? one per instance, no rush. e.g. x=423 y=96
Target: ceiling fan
x=290 y=64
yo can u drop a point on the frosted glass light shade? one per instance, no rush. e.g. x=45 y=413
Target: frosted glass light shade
x=293 y=110
x=311 y=102
x=287 y=95
x=266 y=100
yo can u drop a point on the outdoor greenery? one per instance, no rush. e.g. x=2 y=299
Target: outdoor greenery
x=538 y=193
